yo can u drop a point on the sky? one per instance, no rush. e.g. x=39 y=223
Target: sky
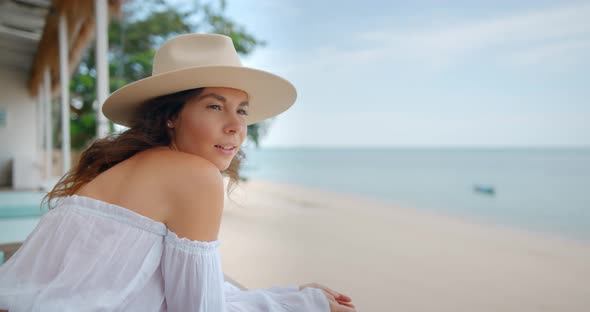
x=425 y=73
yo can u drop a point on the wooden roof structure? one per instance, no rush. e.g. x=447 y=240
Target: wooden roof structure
x=80 y=19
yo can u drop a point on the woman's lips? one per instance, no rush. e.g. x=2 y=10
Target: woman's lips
x=225 y=151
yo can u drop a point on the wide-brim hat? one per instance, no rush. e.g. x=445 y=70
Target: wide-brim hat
x=202 y=60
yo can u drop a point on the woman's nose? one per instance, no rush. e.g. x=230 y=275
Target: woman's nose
x=234 y=125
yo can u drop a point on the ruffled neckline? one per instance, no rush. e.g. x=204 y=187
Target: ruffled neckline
x=121 y=214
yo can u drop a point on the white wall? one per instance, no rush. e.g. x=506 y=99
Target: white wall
x=18 y=135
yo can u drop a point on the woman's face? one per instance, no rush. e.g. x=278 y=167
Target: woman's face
x=212 y=125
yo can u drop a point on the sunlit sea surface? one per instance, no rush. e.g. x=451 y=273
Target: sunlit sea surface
x=546 y=190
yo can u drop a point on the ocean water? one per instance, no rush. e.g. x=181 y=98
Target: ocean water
x=546 y=190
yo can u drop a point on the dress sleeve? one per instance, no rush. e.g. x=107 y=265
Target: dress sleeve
x=193 y=278
x=278 y=298
x=194 y=281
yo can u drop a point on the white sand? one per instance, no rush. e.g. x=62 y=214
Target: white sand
x=389 y=258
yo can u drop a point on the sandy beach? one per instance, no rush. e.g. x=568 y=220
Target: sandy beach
x=390 y=258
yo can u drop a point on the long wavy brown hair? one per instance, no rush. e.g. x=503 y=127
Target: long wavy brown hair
x=148 y=130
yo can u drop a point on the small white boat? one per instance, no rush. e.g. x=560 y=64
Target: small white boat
x=485 y=189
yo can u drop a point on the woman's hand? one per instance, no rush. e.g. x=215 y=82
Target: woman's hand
x=338 y=302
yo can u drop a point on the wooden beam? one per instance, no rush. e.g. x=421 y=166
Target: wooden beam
x=80 y=21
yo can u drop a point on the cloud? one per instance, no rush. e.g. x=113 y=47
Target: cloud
x=521 y=39
x=563 y=52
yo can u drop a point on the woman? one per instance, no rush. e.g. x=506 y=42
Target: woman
x=135 y=225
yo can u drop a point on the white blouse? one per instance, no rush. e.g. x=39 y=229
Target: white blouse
x=90 y=255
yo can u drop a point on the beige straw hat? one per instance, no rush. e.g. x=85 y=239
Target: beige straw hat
x=202 y=60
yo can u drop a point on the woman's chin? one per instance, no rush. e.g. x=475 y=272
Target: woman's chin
x=223 y=167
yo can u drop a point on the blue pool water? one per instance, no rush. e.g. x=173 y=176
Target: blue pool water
x=19 y=214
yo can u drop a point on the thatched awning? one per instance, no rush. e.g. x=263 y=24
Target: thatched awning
x=81 y=24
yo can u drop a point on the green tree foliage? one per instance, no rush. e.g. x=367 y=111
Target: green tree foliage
x=133 y=40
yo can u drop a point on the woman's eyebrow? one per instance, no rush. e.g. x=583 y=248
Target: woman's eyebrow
x=220 y=98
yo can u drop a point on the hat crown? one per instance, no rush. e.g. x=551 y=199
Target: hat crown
x=195 y=50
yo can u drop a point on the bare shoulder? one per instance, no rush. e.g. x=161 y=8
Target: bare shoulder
x=169 y=160
x=193 y=187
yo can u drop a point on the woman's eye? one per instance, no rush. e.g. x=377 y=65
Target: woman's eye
x=218 y=107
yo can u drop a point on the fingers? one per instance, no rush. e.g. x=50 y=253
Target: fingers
x=350 y=305
x=336 y=300
x=342 y=299
x=341 y=308
x=339 y=304
x=337 y=295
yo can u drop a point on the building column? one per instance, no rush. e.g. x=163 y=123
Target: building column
x=102 y=66
x=64 y=78
x=47 y=124
x=39 y=159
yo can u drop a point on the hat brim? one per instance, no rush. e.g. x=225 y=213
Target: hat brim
x=268 y=94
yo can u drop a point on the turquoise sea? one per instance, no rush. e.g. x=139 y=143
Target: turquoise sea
x=538 y=189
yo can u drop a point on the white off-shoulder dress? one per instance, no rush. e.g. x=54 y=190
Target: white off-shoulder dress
x=90 y=255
